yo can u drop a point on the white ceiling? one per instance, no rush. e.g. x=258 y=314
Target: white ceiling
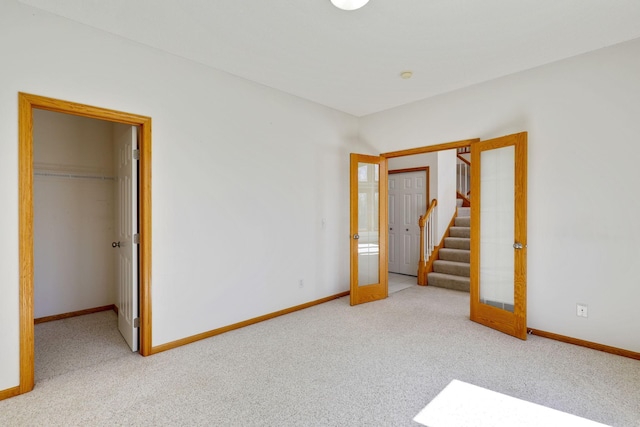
x=351 y=61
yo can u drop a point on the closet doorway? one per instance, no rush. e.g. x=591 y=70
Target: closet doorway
x=85 y=217
x=65 y=178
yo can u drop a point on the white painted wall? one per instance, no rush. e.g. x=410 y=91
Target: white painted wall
x=243 y=176
x=74 y=264
x=582 y=118
x=446 y=189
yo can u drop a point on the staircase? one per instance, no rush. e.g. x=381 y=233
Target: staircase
x=451 y=269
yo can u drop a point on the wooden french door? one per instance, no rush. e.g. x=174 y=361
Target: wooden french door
x=499 y=234
x=368 y=230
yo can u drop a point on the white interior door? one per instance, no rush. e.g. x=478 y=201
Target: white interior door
x=407 y=201
x=126 y=141
x=394 y=225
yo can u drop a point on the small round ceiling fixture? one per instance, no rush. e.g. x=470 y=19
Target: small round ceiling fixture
x=406 y=74
x=349 y=4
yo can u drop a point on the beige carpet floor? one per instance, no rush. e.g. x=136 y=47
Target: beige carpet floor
x=376 y=364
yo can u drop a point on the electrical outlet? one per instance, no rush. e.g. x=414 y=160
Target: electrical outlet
x=301 y=283
x=581 y=310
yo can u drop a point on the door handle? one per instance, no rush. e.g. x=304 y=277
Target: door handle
x=356 y=236
x=517 y=245
x=115 y=244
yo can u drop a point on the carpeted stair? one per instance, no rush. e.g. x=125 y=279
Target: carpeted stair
x=451 y=269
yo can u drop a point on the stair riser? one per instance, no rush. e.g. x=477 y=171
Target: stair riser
x=448 y=282
x=462 y=222
x=457 y=269
x=457 y=243
x=451 y=255
x=460 y=232
x=464 y=212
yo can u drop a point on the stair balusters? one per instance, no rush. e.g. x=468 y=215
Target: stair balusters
x=427 y=241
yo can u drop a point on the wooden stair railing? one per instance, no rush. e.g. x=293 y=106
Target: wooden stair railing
x=466 y=200
x=427 y=242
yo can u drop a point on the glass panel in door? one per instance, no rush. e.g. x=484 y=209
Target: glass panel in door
x=497 y=228
x=368 y=230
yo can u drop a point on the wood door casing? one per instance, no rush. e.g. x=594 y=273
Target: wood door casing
x=26 y=104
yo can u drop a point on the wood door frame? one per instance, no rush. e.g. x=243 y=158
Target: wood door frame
x=384 y=223
x=26 y=104
x=431 y=148
x=454 y=145
x=426 y=195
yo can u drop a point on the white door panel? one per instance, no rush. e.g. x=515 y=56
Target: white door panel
x=407 y=201
x=394 y=227
x=126 y=141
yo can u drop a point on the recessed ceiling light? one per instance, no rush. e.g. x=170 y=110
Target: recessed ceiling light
x=349 y=4
x=406 y=74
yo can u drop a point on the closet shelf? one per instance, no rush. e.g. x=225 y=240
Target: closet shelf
x=73 y=175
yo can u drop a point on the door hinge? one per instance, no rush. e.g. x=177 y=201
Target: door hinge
x=136 y=154
x=136 y=322
x=136 y=239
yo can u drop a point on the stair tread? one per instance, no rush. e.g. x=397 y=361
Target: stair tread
x=450 y=276
x=444 y=261
x=451 y=269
